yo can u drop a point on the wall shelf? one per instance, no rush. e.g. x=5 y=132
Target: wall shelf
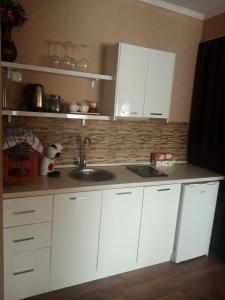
x=84 y=117
x=91 y=76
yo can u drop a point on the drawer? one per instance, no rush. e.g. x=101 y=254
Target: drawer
x=171 y=190
x=78 y=196
x=26 y=274
x=28 y=237
x=22 y=211
x=123 y=193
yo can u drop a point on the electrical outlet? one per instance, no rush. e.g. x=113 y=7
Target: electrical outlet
x=16 y=76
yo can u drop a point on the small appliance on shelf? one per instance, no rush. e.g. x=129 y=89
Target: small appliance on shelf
x=34 y=97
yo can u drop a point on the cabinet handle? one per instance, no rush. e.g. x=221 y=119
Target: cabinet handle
x=202 y=192
x=78 y=198
x=23 y=240
x=163 y=190
x=212 y=182
x=156 y=114
x=124 y=193
x=130 y=113
x=24 y=212
x=23 y=272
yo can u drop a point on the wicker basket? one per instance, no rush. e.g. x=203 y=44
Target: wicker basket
x=20 y=165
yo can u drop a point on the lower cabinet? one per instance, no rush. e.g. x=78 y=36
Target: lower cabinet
x=26 y=273
x=158 y=224
x=195 y=220
x=101 y=233
x=119 y=231
x=76 y=222
x=27 y=230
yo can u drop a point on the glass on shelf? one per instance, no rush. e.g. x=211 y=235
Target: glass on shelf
x=83 y=63
x=54 y=54
x=74 y=54
x=66 y=60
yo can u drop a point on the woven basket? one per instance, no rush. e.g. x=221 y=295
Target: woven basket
x=20 y=165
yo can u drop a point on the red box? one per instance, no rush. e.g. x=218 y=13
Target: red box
x=20 y=165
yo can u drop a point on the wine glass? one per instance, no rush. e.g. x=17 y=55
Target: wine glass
x=83 y=61
x=74 y=57
x=54 y=54
x=66 y=60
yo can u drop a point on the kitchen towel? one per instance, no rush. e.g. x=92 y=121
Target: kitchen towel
x=16 y=136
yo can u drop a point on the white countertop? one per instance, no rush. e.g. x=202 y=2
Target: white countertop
x=181 y=173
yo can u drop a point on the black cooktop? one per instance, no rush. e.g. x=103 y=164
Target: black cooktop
x=146 y=171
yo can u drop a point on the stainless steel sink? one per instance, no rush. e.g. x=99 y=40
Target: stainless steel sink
x=91 y=174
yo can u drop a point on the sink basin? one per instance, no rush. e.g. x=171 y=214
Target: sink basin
x=91 y=174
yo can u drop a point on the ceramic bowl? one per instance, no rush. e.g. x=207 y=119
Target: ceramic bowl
x=83 y=108
x=73 y=107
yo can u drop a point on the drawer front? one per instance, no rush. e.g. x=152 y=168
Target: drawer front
x=28 y=237
x=124 y=193
x=22 y=211
x=159 y=191
x=27 y=273
x=78 y=196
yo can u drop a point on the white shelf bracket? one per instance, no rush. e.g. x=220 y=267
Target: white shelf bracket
x=93 y=81
x=9 y=119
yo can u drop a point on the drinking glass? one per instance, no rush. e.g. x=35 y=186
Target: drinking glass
x=66 y=60
x=83 y=63
x=54 y=54
x=74 y=57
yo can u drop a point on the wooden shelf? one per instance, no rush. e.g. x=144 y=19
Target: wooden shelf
x=17 y=66
x=76 y=116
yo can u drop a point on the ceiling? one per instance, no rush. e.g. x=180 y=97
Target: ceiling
x=201 y=9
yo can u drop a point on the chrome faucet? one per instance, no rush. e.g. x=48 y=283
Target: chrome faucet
x=82 y=157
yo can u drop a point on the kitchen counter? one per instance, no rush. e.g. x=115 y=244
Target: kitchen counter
x=181 y=173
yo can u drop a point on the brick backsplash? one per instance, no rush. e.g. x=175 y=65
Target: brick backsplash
x=120 y=141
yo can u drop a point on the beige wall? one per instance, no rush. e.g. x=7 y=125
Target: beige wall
x=104 y=22
x=214 y=27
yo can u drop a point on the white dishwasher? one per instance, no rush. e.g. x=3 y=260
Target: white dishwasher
x=195 y=220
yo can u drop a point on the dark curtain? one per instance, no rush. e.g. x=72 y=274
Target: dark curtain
x=206 y=143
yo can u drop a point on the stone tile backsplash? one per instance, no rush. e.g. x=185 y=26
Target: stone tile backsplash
x=121 y=141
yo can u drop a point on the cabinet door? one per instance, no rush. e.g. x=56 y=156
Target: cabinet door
x=76 y=221
x=195 y=220
x=120 y=222
x=131 y=77
x=158 y=223
x=159 y=84
x=26 y=274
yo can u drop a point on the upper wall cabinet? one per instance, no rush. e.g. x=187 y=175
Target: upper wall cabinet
x=159 y=82
x=142 y=83
x=131 y=77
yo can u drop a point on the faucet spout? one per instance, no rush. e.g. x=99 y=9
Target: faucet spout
x=84 y=143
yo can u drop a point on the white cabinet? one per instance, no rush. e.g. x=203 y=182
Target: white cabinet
x=159 y=84
x=158 y=223
x=27 y=238
x=143 y=82
x=27 y=210
x=76 y=221
x=131 y=76
x=27 y=242
x=195 y=221
x=26 y=273
x=120 y=222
